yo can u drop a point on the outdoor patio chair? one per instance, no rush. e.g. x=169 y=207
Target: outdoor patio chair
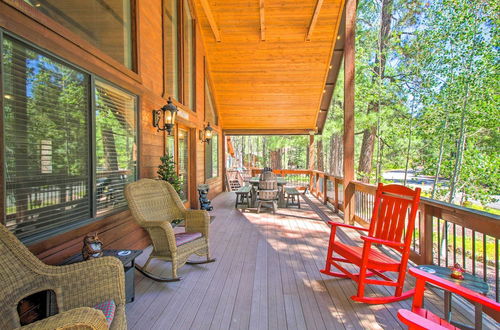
x=390 y=227
x=77 y=288
x=267 y=192
x=154 y=205
x=420 y=318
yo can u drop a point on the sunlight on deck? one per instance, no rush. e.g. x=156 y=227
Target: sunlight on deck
x=266 y=277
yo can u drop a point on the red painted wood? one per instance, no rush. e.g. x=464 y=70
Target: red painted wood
x=419 y=318
x=423 y=276
x=417 y=322
x=392 y=203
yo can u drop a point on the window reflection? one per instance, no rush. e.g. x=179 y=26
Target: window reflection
x=107 y=24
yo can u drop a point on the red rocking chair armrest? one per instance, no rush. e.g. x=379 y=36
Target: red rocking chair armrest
x=415 y=321
x=455 y=288
x=383 y=241
x=339 y=224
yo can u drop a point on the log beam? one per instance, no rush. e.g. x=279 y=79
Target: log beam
x=314 y=19
x=211 y=19
x=349 y=58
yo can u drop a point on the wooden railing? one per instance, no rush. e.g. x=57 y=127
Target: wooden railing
x=444 y=233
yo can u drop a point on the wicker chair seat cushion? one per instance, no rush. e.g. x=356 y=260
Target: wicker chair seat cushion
x=183 y=238
x=108 y=308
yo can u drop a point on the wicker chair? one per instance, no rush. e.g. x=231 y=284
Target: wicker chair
x=77 y=288
x=154 y=205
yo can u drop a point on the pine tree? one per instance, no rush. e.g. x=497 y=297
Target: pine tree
x=166 y=171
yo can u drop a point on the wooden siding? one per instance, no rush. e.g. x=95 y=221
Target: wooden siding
x=119 y=230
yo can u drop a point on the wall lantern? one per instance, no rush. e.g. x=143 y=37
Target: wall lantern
x=168 y=113
x=206 y=134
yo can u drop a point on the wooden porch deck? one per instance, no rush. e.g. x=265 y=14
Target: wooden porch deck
x=266 y=277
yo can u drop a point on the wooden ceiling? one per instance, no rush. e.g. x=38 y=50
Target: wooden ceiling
x=270 y=65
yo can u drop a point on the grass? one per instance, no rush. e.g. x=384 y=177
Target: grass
x=482 y=208
x=479 y=247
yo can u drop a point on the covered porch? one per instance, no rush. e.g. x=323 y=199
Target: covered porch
x=267 y=277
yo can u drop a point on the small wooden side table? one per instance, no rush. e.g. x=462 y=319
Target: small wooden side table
x=470 y=281
x=128 y=262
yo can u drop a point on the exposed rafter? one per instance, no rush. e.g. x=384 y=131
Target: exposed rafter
x=211 y=19
x=262 y=21
x=314 y=19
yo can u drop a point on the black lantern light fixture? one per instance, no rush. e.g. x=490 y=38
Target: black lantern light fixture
x=206 y=134
x=168 y=113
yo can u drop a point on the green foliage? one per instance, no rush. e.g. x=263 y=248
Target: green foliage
x=166 y=171
x=438 y=97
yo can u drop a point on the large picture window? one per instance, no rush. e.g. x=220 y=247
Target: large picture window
x=210 y=110
x=171 y=47
x=188 y=57
x=115 y=145
x=106 y=24
x=48 y=112
x=212 y=158
x=46 y=120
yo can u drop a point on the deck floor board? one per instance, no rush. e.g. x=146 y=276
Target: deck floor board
x=266 y=277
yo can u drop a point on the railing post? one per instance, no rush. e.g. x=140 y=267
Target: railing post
x=425 y=235
x=336 y=194
x=325 y=188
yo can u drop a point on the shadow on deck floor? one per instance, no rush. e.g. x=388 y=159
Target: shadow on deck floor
x=266 y=277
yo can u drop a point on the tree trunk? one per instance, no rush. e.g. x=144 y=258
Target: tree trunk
x=369 y=134
x=276 y=159
x=408 y=149
x=440 y=157
x=320 y=157
x=460 y=147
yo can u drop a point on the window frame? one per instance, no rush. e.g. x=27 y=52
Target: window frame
x=67 y=34
x=92 y=187
x=210 y=94
x=179 y=35
x=183 y=94
x=211 y=145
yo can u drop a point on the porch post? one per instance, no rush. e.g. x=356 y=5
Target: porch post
x=310 y=165
x=349 y=58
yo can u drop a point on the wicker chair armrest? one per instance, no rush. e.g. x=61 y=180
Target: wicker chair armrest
x=89 y=283
x=197 y=221
x=162 y=235
x=77 y=318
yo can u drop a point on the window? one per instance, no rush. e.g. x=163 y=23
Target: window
x=212 y=158
x=105 y=24
x=171 y=48
x=46 y=146
x=188 y=58
x=183 y=162
x=49 y=160
x=210 y=111
x=170 y=145
x=115 y=145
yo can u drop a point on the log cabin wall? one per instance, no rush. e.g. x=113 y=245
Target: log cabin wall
x=119 y=230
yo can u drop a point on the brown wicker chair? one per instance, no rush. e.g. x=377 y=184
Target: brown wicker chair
x=77 y=288
x=154 y=205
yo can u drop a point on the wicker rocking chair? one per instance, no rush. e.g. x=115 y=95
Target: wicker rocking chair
x=77 y=288
x=154 y=205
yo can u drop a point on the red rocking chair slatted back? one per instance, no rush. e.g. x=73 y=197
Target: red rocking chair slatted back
x=390 y=211
x=392 y=226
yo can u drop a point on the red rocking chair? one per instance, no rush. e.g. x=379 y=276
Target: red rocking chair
x=386 y=228
x=420 y=318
